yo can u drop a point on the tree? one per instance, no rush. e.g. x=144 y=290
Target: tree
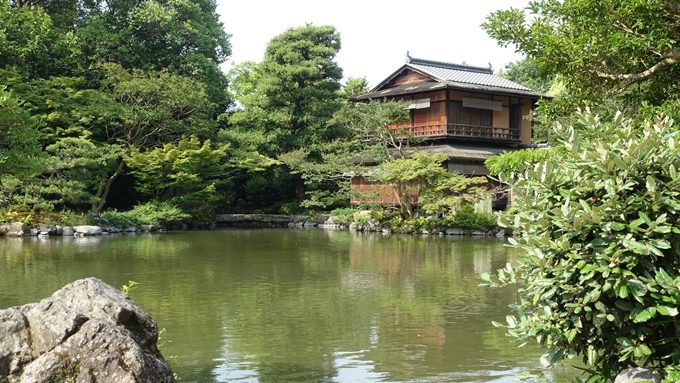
x=293 y=93
x=599 y=230
x=421 y=179
x=189 y=173
x=180 y=36
x=527 y=73
x=29 y=43
x=603 y=51
x=376 y=124
x=288 y=100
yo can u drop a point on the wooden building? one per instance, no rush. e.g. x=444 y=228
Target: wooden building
x=467 y=113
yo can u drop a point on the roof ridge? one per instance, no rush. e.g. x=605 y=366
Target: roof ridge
x=447 y=65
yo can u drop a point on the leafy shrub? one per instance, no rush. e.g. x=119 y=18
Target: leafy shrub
x=343 y=215
x=156 y=213
x=466 y=217
x=511 y=163
x=291 y=207
x=600 y=270
x=120 y=219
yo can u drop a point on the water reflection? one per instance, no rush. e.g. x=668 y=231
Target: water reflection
x=296 y=305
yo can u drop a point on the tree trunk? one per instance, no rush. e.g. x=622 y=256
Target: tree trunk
x=104 y=188
x=299 y=188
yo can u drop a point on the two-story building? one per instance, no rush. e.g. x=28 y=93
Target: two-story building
x=467 y=113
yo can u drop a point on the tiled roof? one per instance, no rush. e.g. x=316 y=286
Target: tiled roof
x=463 y=74
x=450 y=76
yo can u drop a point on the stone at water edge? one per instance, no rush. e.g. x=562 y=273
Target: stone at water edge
x=67 y=231
x=87 y=331
x=87 y=230
x=638 y=375
x=14 y=229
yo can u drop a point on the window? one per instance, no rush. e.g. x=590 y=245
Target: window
x=458 y=114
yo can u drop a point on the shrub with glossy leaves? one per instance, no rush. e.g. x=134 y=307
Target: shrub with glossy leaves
x=600 y=271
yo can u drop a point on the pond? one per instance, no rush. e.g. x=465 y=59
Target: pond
x=279 y=305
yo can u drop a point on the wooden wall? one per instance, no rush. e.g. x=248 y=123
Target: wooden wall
x=367 y=191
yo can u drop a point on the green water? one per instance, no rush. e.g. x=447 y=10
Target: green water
x=296 y=305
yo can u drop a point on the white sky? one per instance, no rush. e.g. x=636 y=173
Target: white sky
x=375 y=34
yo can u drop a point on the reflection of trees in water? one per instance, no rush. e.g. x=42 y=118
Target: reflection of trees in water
x=405 y=300
x=286 y=305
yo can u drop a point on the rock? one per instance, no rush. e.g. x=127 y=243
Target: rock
x=85 y=332
x=14 y=229
x=67 y=231
x=322 y=218
x=87 y=230
x=353 y=226
x=387 y=231
x=110 y=229
x=46 y=229
x=500 y=233
x=259 y=220
x=454 y=232
x=638 y=374
x=33 y=231
x=372 y=225
x=479 y=233
x=58 y=230
x=329 y=226
x=310 y=224
x=148 y=228
x=130 y=229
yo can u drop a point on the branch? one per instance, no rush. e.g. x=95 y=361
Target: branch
x=671 y=59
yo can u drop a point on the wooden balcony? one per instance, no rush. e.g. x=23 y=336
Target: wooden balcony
x=452 y=130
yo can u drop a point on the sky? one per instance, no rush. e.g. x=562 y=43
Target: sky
x=375 y=34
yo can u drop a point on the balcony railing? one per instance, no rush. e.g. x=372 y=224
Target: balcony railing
x=478 y=132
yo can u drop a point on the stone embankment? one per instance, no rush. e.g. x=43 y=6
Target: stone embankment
x=87 y=331
x=327 y=221
x=19 y=229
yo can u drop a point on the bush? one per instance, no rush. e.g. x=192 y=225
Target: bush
x=466 y=217
x=343 y=215
x=600 y=270
x=156 y=213
x=120 y=219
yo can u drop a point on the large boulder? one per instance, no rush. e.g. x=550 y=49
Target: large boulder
x=67 y=231
x=638 y=375
x=85 y=332
x=87 y=230
x=14 y=229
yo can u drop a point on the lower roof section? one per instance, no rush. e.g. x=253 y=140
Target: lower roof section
x=463 y=152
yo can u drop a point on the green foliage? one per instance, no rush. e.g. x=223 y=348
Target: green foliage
x=87 y=79
x=421 y=180
x=449 y=191
x=622 y=53
x=157 y=213
x=527 y=73
x=672 y=374
x=374 y=124
x=466 y=217
x=19 y=151
x=343 y=215
x=287 y=102
x=129 y=287
x=626 y=39
x=120 y=219
x=600 y=236
x=291 y=95
x=188 y=173
x=511 y=163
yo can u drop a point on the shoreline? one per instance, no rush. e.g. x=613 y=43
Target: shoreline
x=319 y=221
